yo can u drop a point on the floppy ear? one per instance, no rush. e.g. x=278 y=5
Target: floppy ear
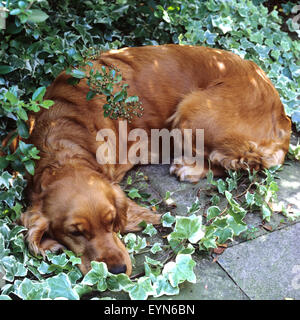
x=121 y=206
x=37 y=225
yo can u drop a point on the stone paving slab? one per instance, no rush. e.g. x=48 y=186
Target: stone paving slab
x=267 y=267
x=213 y=283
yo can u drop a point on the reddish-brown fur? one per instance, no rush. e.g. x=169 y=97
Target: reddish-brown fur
x=76 y=202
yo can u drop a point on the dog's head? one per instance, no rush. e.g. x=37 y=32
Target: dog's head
x=82 y=211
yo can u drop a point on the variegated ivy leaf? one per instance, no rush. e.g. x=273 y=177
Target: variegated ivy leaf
x=118 y=282
x=60 y=287
x=134 y=243
x=162 y=287
x=168 y=220
x=141 y=289
x=97 y=273
x=150 y=230
x=236 y=227
x=181 y=270
x=156 y=248
x=12 y=268
x=224 y=234
x=32 y=290
x=187 y=228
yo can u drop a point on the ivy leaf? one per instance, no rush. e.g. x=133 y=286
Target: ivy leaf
x=140 y=290
x=12 y=268
x=168 y=220
x=162 y=287
x=150 y=230
x=181 y=270
x=3 y=251
x=118 y=282
x=32 y=290
x=249 y=198
x=60 y=287
x=39 y=94
x=212 y=212
x=6 y=69
x=266 y=212
x=236 y=227
x=187 y=228
x=221 y=184
x=134 y=193
x=99 y=271
x=224 y=234
x=155 y=248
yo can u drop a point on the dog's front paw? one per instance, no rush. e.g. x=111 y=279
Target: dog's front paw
x=190 y=173
x=51 y=245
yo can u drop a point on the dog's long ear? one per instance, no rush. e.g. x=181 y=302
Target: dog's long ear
x=121 y=205
x=37 y=225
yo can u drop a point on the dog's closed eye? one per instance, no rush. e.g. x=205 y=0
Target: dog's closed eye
x=76 y=233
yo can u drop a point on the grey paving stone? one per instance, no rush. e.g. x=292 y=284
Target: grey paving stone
x=267 y=267
x=289 y=184
x=213 y=283
x=183 y=193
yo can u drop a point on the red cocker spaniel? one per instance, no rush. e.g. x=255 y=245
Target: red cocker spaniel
x=76 y=201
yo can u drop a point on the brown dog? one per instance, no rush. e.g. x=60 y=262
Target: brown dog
x=76 y=202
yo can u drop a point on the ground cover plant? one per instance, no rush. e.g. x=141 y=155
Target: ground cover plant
x=42 y=38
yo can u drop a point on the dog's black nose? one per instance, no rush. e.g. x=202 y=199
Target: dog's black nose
x=118 y=269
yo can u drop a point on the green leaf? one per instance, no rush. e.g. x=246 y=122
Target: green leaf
x=29 y=165
x=3 y=251
x=6 y=69
x=32 y=290
x=15 y=12
x=249 y=198
x=11 y=97
x=162 y=287
x=60 y=287
x=3 y=163
x=212 y=212
x=39 y=94
x=266 y=212
x=141 y=290
x=47 y=104
x=99 y=271
x=134 y=193
x=156 y=248
x=187 y=228
x=181 y=270
x=236 y=227
x=168 y=220
x=118 y=282
x=221 y=184
x=224 y=234
x=12 y=268
x=79 y=74
x=37 y=16
x=150 y=230
x=90 y=95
